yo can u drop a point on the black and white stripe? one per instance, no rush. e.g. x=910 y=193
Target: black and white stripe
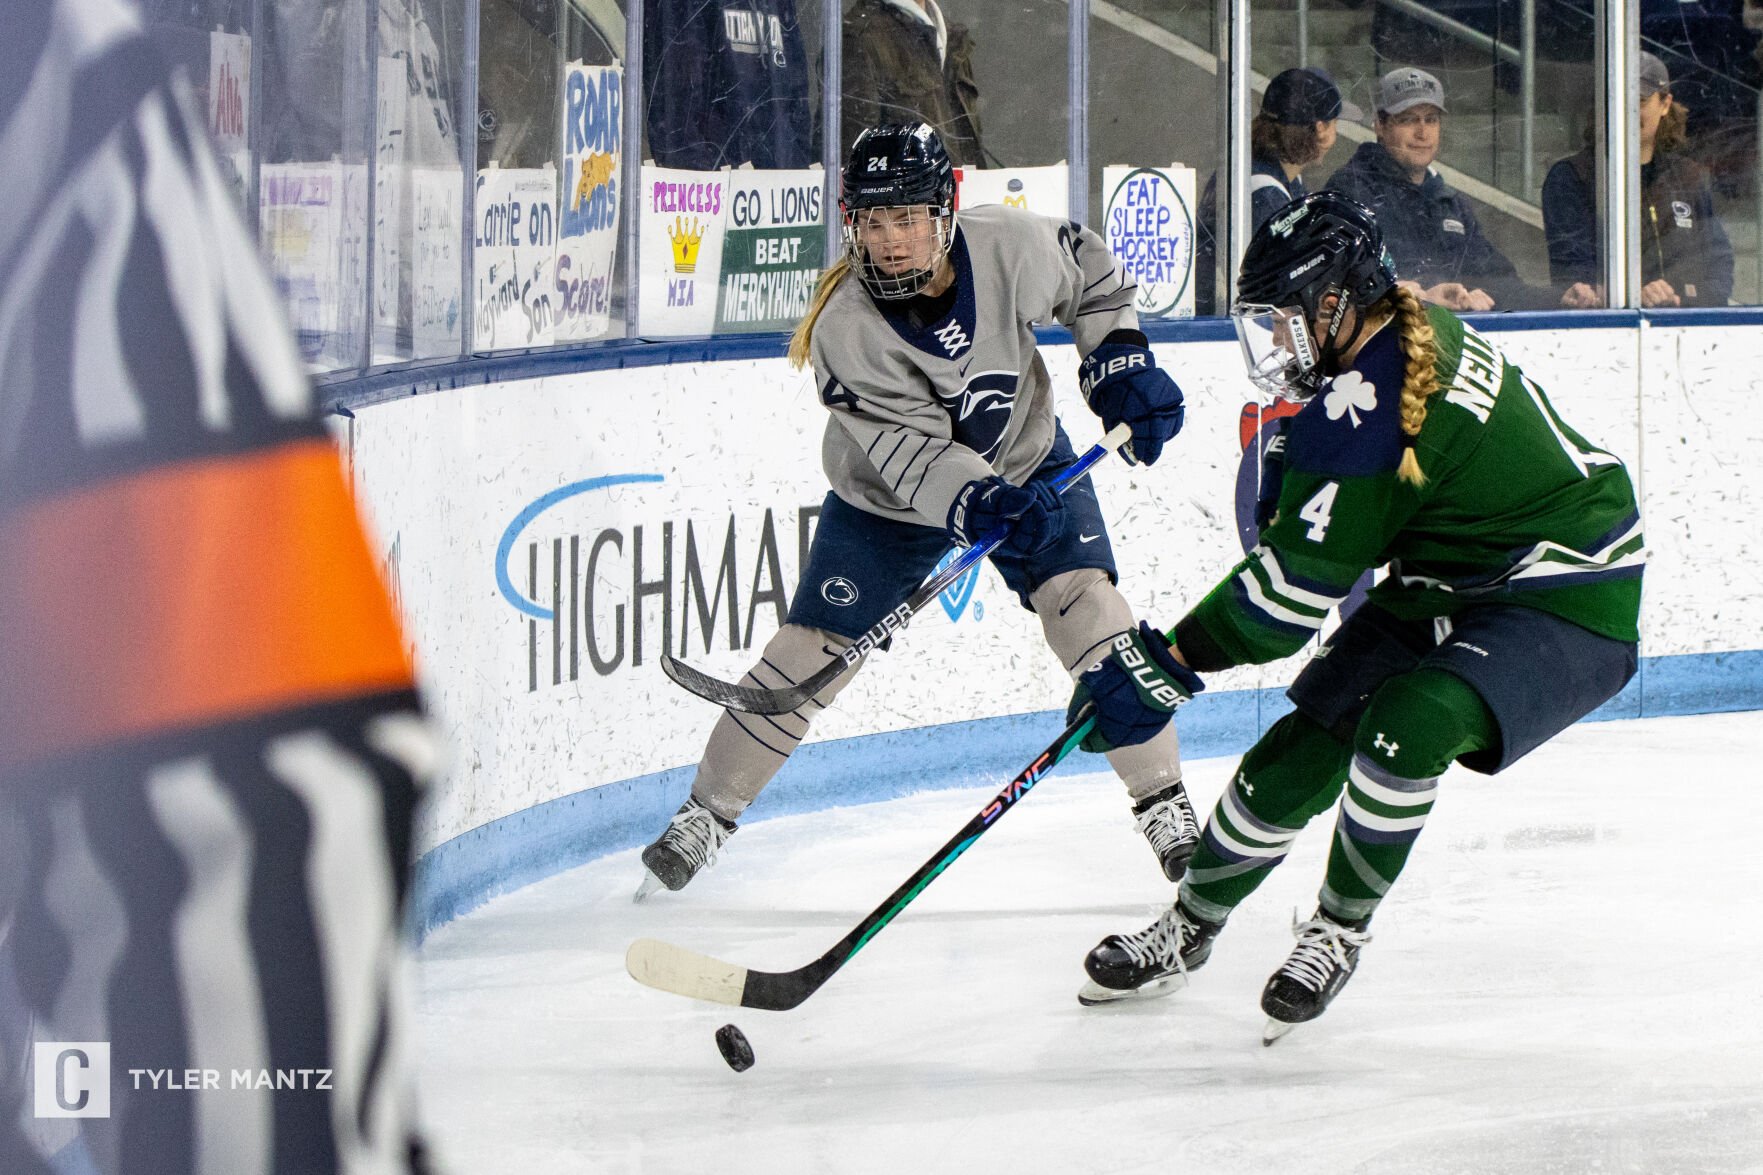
x=132 y=318
x=259 y=883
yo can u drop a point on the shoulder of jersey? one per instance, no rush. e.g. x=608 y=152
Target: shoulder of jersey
x=994 y=218
x=1353 y=425
x=843 y=317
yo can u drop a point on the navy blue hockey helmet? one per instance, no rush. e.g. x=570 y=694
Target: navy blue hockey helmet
x=898 y=166
x=1321 y=244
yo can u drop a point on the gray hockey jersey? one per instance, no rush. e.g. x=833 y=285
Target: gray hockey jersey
x=917 y=413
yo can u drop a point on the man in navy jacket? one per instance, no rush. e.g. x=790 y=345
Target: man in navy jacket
x=1429 y=228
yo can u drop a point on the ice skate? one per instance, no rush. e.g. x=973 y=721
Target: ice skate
x=691 y=840
x=1167 y=820
x=1326 y=956
x=1154 y=961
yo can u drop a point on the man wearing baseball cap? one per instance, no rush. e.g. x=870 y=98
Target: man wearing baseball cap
x=1686 y=257
x=1429 y=228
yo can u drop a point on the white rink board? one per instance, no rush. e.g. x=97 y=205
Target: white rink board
x=444 y=475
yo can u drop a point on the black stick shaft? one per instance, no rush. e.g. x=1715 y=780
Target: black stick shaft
x=781 y=990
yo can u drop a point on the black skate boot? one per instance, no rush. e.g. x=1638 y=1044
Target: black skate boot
x=1326 y=956
x=1154 y=961
x=1167 y=820
x=689 y=843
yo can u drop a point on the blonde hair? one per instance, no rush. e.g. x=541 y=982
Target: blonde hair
x=802 y=338
x=1421 y=379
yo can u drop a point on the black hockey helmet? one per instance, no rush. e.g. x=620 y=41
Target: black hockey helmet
x=1321 y=244
x=898 y=165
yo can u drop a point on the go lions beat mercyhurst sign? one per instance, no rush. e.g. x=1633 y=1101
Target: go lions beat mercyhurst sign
x=729 y=251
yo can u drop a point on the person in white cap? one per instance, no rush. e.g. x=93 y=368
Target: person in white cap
x=1686 y=257
x=1430 y=229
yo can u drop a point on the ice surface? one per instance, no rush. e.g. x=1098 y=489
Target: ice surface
x=1568 y=978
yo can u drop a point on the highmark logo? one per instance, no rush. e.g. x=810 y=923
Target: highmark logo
x=603 y=585
x=532 y=510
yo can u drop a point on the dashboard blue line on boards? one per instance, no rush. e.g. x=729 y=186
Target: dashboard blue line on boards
x=1498 y=321
x=527 y=846
x=346 y=392
x=1706 y=316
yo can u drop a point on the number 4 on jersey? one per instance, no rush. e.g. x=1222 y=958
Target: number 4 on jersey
x=1316 y=511
x=835 y=395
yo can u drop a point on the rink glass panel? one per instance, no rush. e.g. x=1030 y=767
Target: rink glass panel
x=343 y=128
x=1156 y=95
x=418 y=180
x=313 y=199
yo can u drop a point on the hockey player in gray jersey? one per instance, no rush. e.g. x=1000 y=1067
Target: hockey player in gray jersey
x=942 y=429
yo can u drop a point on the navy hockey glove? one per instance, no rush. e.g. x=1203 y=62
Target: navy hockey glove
x=1035 y=514
x=1273 y=477
x=1122 y=383
x=1136 y=688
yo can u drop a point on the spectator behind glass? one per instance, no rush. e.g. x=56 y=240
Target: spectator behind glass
x=904 y=63
x=1295 y=129
x=726 y=85
x=1686 y=259
x=1430 y=229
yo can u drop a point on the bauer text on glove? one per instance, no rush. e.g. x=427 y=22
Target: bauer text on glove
x=1034 y=513
x=1135 y=688
x=1123 y=384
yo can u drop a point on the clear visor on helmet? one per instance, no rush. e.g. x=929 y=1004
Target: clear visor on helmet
x=1277 y=348
x=898 y=249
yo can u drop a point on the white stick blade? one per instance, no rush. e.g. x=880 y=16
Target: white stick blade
x=666 y=967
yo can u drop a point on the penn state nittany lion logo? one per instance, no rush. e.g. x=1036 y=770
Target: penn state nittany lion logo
x=839 y=591
x=981 y=410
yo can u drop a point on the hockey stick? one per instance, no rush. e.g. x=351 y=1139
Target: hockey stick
x=669 y=968
x=754 y=700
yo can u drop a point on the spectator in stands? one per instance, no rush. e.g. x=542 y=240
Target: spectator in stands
x=1686 y=259
x=1430 y=229
x=1295 y=130
x=726 y=86
x=903 y=63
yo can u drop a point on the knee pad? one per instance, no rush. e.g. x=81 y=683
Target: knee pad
x=1418 y=723
x=1080 y=612
x=1292 y=773
x=795 y=652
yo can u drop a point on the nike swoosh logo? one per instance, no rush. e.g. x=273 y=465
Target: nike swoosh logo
x=1088 y=538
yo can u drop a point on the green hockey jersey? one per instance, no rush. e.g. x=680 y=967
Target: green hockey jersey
x=1517 y=508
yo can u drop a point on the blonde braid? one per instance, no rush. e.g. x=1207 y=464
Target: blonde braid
x=803 y=336
x=1421 y=379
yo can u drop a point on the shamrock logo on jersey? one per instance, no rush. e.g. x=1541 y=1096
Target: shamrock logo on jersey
x=1349 y=395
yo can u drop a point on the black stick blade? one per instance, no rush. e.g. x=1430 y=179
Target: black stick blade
x=749 y=699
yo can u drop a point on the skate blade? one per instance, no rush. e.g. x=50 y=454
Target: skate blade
x=651 y=884
x=1093 y=994
x=1274 y=1030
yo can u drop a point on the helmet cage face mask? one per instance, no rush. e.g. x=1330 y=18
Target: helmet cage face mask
x=912 y=227
x=1277 y=348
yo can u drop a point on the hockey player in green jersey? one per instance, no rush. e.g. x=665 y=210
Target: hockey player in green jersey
x=1507 y=613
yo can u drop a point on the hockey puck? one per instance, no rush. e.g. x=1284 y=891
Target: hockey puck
x=732 y=1043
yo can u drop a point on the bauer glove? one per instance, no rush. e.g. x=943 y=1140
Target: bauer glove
x=1035 y=514
x=1135 y=688
x=1122 y=383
